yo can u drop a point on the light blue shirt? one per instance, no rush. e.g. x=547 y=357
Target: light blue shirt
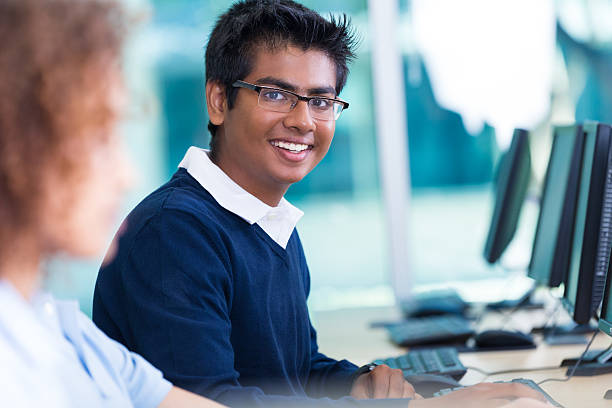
x=52 y=355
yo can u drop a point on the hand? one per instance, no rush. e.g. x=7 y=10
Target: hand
x=383 y=382
x=487 y=395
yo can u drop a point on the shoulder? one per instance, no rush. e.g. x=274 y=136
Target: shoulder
x=181 y=199
x=84 y=334
x=294 y=245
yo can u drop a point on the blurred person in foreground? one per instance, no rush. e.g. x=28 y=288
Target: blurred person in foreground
x=61 y=174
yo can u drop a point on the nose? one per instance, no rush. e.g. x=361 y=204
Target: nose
x=300 y=118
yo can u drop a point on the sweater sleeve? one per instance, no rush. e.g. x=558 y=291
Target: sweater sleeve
x=176 y=296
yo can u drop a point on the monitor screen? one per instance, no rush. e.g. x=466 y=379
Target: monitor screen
x=513 y=175
x=553 y=238
x=591 y=241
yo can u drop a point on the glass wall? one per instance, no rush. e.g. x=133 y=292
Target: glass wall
x=471 y=74
x=470 y=77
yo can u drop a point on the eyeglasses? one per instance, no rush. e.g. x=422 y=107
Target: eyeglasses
x=280 y=100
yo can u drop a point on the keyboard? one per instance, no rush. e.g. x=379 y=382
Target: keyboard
x=529 y=383
x=444 y=361
x=445 y=329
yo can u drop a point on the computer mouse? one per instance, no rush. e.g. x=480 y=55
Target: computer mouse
x=428 y=384
x=503 y=339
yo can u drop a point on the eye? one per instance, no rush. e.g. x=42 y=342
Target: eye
x=273 y=95
x=320 y=103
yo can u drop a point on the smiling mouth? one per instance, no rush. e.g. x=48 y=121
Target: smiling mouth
x=291 y=147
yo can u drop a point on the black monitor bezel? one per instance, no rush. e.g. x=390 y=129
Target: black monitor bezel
x=605 y=322
x=561 y=256
x=511 y=188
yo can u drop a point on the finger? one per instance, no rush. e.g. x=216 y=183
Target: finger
x=409 y=392
x=380 y=378
x=360 y=389
x=396 y=384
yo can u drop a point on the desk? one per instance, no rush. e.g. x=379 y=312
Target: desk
x=346 y=334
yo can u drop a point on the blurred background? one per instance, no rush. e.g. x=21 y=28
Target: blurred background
x=470 y=72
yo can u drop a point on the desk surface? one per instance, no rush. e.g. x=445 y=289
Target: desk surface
x=347 y=334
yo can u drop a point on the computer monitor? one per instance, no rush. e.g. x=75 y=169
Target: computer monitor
x=513 y=176
x=553 y=239
x=585 y=280
x=605 y=318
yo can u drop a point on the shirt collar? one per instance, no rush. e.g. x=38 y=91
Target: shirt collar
x=229 y=194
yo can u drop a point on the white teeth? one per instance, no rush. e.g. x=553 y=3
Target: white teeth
x=292 y=147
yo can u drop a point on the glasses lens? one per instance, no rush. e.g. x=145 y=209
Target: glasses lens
x=338 y=108
x=276 y=100
x=322 y=108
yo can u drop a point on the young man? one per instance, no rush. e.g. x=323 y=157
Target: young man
x=210 y=281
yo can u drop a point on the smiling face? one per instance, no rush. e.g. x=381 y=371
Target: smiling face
x=266 y=151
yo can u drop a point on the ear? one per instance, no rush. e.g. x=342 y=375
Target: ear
x=216 y=102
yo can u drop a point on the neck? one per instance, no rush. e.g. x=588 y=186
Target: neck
x=20 y=266
x=269 y=194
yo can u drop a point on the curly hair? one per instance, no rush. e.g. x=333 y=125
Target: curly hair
x=54 y=64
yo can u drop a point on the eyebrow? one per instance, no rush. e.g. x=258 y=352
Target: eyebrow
x=289 y=87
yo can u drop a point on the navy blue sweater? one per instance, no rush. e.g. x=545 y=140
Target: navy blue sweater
x=216 y=304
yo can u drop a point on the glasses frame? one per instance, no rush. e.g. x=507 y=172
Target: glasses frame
x=307 y=99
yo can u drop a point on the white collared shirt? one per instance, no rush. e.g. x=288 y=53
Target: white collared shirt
x=278 y=222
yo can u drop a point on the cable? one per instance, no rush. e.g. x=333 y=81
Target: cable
x=575 y=367
x=478 y=370
x=522 y=370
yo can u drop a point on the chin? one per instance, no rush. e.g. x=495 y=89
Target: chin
x=293 y=175
x=291 y=179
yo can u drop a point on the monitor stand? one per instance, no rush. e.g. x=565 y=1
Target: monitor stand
x=525 y=302
x=570 y=333
x=595 y=362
